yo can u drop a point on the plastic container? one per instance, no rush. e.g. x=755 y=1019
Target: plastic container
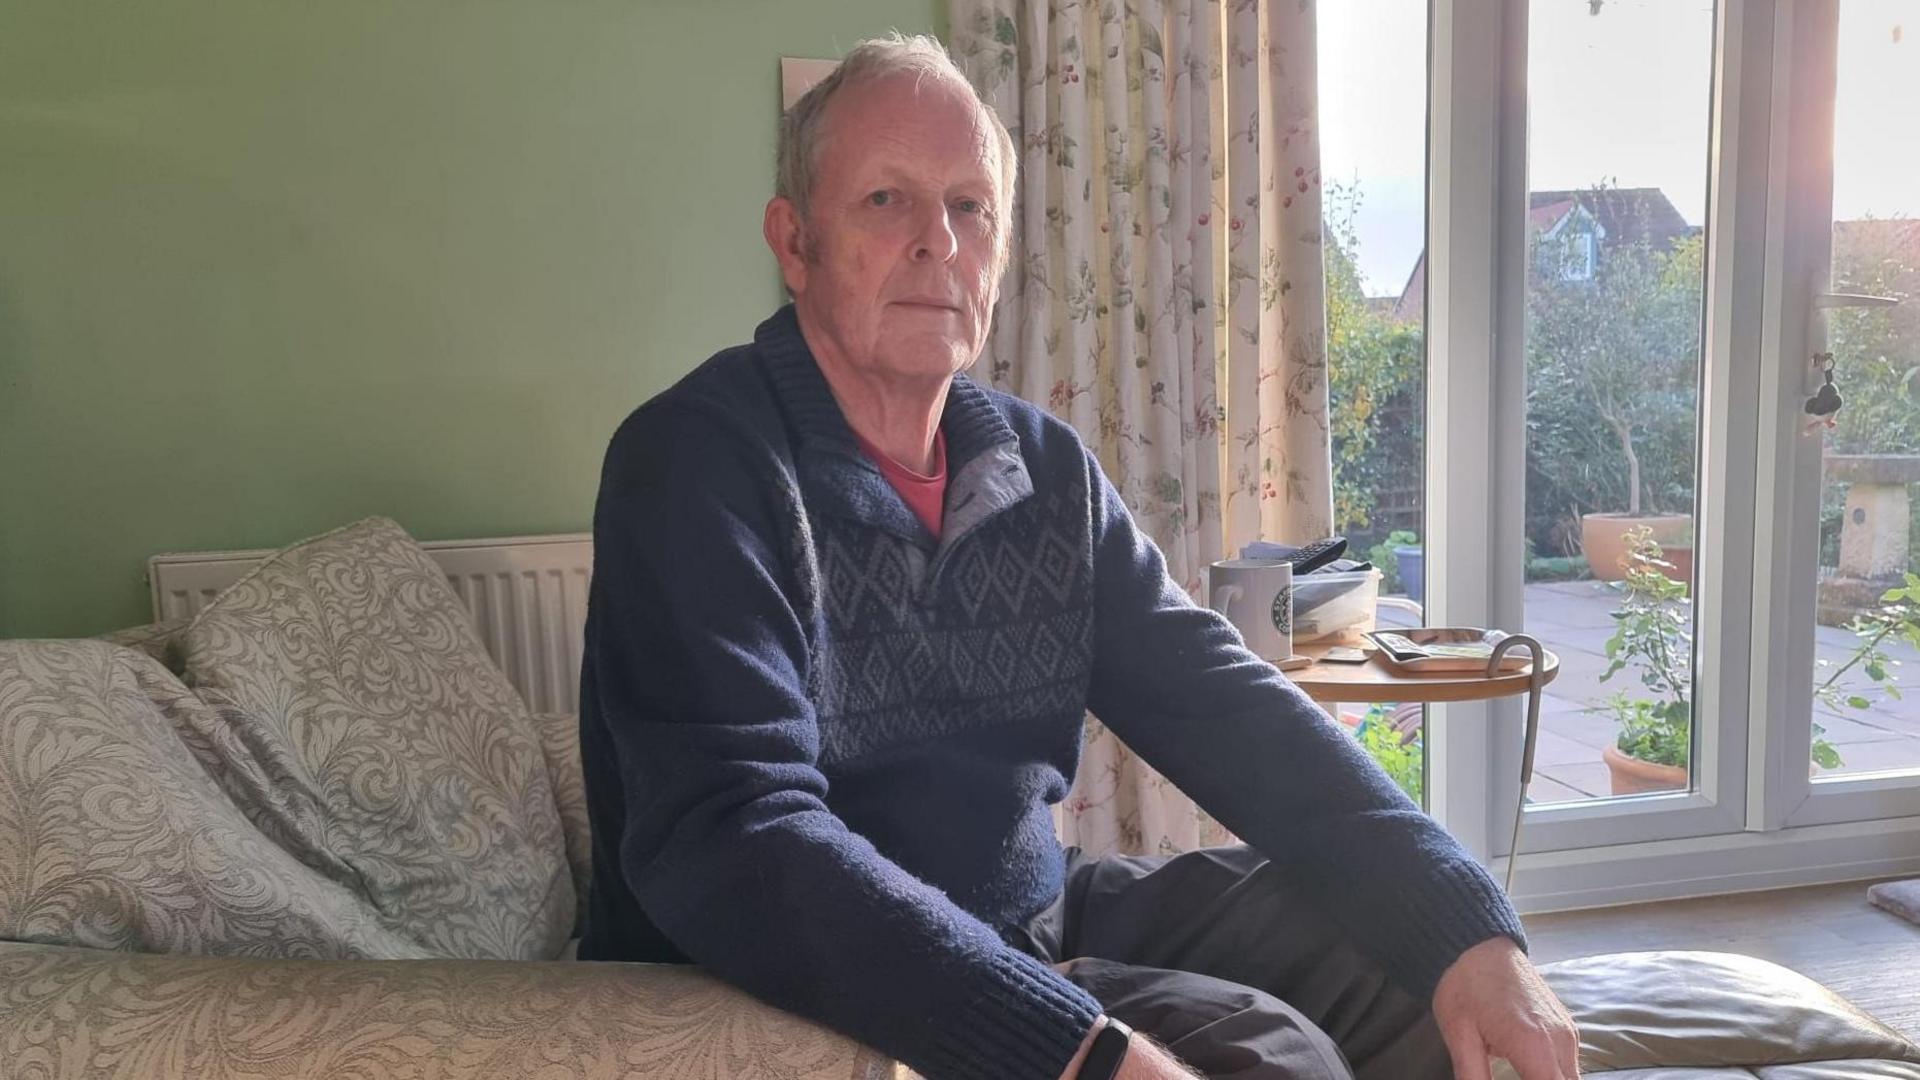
x=1329 y=606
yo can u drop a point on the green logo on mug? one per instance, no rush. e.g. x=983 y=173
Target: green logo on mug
x=1283 y=610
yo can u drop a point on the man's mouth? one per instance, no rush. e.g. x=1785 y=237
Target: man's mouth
x=930 y=303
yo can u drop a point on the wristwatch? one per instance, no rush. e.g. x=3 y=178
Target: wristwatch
x=1109 y=1049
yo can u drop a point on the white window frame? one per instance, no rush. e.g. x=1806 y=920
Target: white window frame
x=1783 y=795
x=1717 y=837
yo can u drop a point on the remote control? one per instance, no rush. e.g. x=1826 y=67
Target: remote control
x=1317 y=554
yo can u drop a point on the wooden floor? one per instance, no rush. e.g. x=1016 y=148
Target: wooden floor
x=1827 y=932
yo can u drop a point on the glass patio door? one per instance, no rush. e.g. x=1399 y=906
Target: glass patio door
x=1679 y=361
x=1838 y=606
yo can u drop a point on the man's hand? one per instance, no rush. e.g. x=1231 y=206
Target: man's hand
x=1492 y=1003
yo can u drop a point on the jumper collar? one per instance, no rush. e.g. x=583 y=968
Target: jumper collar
x=986 y=472
x=971 y=421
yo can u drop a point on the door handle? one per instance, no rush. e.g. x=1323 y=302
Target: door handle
x=1844 y=300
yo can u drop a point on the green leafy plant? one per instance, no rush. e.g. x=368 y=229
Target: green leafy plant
x=1403 y=758
x=1382 y=556
x=1375 y=368
x=1898 y=617
x=1652 y=635
x=1558 y=568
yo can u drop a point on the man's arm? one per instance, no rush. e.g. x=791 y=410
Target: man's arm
x=1174 y=681
x=700 y=665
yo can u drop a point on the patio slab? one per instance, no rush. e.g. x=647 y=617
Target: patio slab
x=1574 y=619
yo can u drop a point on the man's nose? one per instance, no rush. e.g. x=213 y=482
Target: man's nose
x=936 y=240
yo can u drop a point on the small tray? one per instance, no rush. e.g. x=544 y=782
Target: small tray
x=1443 y=649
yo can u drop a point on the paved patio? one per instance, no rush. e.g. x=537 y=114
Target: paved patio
x=1573 y=619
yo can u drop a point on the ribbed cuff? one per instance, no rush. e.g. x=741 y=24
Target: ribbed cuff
x=1444 y=916
x=1022 y=1019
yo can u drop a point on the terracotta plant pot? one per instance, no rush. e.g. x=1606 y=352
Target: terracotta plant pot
x=1603 y=539
x=1682 y=560
x=1631 y=776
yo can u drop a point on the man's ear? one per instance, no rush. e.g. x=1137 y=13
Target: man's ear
x=786 y=235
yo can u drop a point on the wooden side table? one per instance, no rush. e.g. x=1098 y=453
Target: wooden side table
x=1375 y=683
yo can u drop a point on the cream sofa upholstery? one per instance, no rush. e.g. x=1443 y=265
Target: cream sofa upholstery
x=313 y=833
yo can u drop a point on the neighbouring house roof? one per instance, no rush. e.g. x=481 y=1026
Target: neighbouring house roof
x=1625 y=215
x=1382 y=305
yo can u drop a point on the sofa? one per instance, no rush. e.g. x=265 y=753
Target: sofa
x=314 y=832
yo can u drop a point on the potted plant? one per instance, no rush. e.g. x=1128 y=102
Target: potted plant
x=1402 y=562
x=1678 y=552
x=1652 y=634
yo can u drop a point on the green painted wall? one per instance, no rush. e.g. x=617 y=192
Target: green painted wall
x=269 y=266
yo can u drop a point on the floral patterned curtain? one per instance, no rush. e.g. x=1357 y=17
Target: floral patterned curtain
x=1165 y=293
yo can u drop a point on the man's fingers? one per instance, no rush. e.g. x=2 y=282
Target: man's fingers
x=1469 y=1053
x=1550 y=1056
x=1569 y=1047
x=1540 y=1063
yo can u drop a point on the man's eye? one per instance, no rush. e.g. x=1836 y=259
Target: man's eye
x=879 y=198
x=970 y=206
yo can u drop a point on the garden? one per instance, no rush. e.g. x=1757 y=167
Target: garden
x=1613 y=361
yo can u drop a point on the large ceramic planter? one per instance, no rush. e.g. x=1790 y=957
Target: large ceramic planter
x=1681 y=556
x=1603 y=539
x=1631 y=776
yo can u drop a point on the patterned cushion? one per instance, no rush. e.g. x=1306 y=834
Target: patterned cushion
x=113 y=836
x=359 y=724
x=560 y=738
x=155 y=639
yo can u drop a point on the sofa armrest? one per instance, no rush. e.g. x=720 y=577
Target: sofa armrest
x=560 y=742
x=72 y=1013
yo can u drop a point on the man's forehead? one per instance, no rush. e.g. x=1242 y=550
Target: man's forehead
x=924 y=109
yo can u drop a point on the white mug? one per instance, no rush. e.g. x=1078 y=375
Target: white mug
x=1256 y=596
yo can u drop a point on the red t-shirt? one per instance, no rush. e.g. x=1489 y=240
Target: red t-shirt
x=926 y=496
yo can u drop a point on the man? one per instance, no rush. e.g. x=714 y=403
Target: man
x=848 y=611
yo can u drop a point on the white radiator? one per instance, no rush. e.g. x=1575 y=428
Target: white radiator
x=527 y=596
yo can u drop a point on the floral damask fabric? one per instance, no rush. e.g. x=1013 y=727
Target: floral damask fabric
x=1165 y=293
x=79 y=1013
x=560 y=743
x=356 y=720
x=158 y=640
x=113 y=835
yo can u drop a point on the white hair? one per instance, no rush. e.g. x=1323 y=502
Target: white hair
x=918 y=55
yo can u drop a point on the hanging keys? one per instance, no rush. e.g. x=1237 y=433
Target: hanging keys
x=1824 y=405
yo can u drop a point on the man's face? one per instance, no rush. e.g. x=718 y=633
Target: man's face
x=898 y=261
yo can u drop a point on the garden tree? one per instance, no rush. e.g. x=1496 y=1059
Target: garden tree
x=1374 y=368
x=1876 y=351
x=1612 y=370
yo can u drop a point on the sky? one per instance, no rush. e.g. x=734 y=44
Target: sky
x=1621 y=97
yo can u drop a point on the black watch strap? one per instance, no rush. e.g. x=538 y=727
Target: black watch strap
x=1109 y=1049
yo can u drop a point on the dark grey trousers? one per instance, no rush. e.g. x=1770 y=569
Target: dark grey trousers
x=1215 y=955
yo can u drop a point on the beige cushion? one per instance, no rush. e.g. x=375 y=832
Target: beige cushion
x=1709 y=1016
x=361 y=726
x=113 y=835
x=157 y=640
x=560 y=739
